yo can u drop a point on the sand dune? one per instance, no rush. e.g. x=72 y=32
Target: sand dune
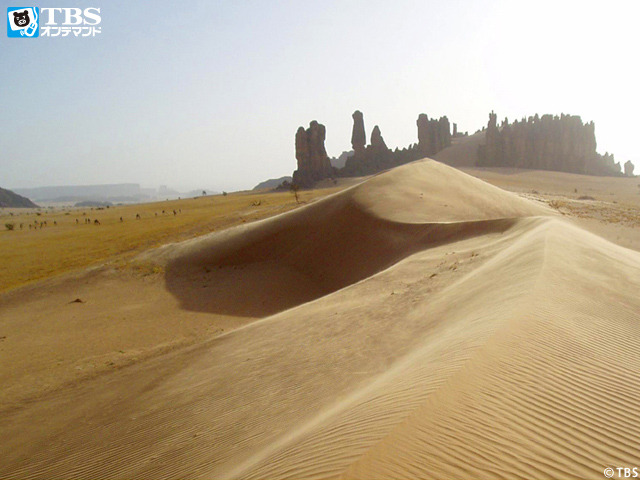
x=423 y=324
x=308 y=253
x=463 y=151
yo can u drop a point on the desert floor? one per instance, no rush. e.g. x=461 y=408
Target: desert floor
x=421 y=323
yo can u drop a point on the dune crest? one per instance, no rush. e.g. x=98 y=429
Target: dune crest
x=427 y=191
x=422 y=324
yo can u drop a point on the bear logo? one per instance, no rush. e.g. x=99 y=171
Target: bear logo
x=21 y=19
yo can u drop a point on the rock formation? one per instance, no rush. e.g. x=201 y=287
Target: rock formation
x=376 y=139
x=357 y=164
x=378 y=154
x=628 y=168
x=492 y=151
x=444 y=134
x=314 y=165
x=373 y=158
x=313 y=162
x=433 y=135
x=358 y=136
x=547 y=143
x=424 y=140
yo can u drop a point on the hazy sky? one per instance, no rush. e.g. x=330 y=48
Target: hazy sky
x=209 y=94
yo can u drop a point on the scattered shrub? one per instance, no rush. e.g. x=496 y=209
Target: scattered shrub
x=9 y=226
x=586 y=197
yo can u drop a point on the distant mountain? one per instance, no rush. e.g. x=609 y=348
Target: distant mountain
x=79 y=193
x=272 y=183
x=91 y=203
x=198 y=193
x=165 y=191
x=13 y=200
x=342 y=159
x=97 y=195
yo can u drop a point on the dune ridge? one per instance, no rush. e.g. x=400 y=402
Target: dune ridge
x=425 y=325
x=337 y=241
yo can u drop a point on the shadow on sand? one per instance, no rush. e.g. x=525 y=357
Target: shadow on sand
x=273 y=265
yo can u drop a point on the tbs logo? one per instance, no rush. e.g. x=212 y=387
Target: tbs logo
x=23 y=22
x=56 y=22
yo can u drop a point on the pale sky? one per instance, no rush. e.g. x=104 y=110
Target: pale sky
x=209 y=94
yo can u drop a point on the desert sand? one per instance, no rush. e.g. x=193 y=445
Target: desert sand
x=420 y=324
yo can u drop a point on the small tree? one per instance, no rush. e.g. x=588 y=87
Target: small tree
x=224 y=194
x=9 y=226
x=295 y=188
x=204 y=192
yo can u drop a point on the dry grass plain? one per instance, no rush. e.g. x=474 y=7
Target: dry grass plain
x=29 y=255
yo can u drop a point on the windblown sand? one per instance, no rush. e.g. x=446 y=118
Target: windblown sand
x=422 y=324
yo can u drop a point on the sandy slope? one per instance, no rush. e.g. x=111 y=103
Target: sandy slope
x=606 y=206
x=423 y=324
x=463 y=151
